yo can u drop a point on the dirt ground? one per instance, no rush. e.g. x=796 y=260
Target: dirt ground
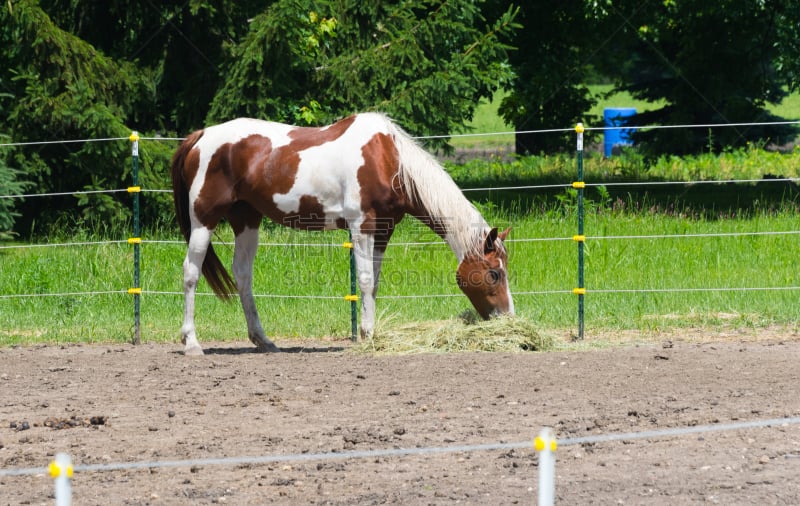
x=111 y=404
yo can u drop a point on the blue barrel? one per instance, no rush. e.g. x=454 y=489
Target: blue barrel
x=615 y=117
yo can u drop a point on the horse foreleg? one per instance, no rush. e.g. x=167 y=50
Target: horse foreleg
x=243 y=256
x=363 y=249
x=381 y=242
x=192 y=266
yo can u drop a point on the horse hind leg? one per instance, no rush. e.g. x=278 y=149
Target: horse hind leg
x=199 y=240
x=243 y=257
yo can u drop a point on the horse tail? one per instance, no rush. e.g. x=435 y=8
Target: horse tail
x=216 y=275
x=180 y=190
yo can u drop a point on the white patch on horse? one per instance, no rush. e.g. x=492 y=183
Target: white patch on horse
x=508 y=290
x=232 y=132
x=329 y=172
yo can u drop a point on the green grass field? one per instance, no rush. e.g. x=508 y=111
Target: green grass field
x=486 y=121
x=696 y=279
x=418 y=280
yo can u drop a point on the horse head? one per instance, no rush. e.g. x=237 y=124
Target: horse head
x=483 y=276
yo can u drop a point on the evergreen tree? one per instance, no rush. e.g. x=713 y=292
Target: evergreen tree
x=711 y=62
x=425 y=63
x=554 y=48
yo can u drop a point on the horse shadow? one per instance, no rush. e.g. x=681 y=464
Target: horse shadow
x=245 y=350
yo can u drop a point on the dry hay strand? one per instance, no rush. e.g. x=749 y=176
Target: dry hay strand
x=464 y=333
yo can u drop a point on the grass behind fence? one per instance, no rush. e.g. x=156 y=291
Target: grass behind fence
x=415 y=276
x=425 y=271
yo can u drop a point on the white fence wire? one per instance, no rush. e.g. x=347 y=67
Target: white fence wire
x=62 y=470
x=400 y=452
x=397 y=452
x=425 y=244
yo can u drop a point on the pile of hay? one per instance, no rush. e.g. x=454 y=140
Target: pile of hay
x=457 y=334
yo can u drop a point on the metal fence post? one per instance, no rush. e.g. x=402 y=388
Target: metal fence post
x=353 y=296
x=136 y=240
x=580 y=238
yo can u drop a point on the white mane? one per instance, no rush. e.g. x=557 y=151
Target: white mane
x=431 y=187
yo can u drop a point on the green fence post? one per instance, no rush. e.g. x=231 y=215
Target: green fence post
x=579 y=185
x=353 y=296
x=136 y=240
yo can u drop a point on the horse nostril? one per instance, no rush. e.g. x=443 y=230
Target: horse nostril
x=509 y=311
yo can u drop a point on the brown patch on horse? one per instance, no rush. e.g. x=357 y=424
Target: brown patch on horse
x=309 y=216
x=482 y=277
x=250 y=168
x=309 y=137
x=383 y=191
x=383 y=200
x=232 y=169
x=242 y=215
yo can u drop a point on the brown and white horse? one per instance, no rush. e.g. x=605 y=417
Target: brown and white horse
x=362 y=173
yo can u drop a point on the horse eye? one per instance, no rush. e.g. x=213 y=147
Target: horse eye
x=494 y=275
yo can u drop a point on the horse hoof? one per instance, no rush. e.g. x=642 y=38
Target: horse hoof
x=194 y=351
x=268 y=348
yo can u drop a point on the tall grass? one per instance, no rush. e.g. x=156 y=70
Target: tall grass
x=418 y=280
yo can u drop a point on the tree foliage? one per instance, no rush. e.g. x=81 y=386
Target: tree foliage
x=270 y=73
x=178 y=44
x=170 y=67
x=62 y=88
x=10 y=185
x=549 y=90
x=710 y=62
x=425 y=62
x=77 y=69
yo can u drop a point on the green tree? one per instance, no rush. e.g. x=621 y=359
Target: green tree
x=787 y=27
x=269 y=74
x=711 y=62
x=166 y=68
x=180 y=44
x=10 y=185
x=62 y=87
x=554 y=48
x=425 y=62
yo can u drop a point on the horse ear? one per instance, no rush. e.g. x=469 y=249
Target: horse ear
x=488 y=245
x=502 y=235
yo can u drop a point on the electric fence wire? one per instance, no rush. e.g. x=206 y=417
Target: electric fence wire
x=410 y=452
x=407 y=244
